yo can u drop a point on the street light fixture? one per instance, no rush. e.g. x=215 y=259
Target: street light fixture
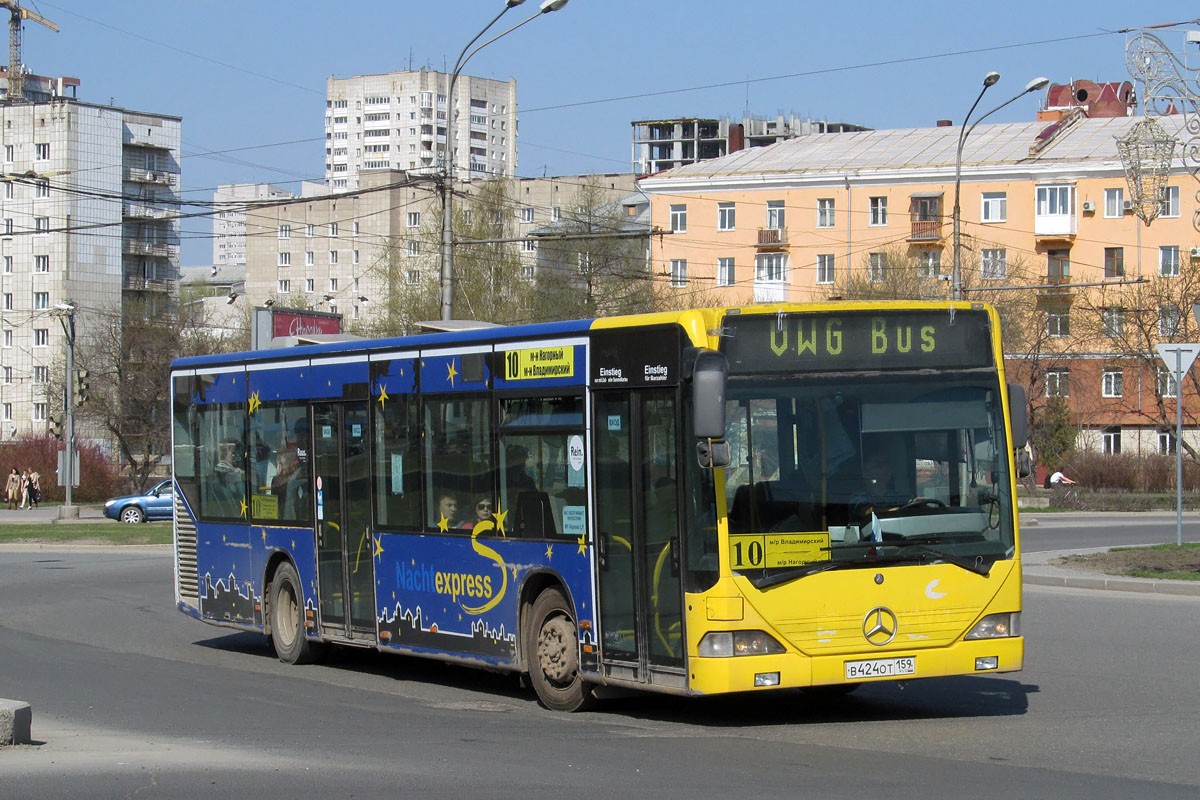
x=546 y=7
x=67 y=470
x=989 y=80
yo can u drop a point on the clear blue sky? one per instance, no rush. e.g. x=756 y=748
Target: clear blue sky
x=248 y=78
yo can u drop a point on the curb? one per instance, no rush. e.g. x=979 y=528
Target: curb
x=1038 y=571
x=16 y=718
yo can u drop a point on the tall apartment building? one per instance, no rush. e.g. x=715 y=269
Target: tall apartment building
x=325 y=252
x=398 y=121
x=661 y=144
x=1045 y=204
x=229 y=219
x=89 y=216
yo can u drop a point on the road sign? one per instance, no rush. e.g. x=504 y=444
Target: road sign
x=1185 y=352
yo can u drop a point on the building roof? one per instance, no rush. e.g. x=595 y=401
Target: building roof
x=1076 y=140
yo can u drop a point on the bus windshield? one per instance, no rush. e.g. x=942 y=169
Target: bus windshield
x=839 y=471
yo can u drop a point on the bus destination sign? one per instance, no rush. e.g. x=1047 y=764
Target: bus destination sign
x=852 y=340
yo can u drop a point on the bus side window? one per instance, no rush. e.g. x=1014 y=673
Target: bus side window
x=458 y=458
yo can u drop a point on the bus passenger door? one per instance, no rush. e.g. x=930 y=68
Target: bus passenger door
x=637 y=516
x=345 y=550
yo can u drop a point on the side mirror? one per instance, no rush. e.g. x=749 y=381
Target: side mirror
x=1018 y=409
x=708 y=395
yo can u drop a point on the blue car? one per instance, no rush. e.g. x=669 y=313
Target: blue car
x=135 y=508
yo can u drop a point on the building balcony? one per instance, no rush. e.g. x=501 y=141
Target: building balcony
x=1055 y=226
x=772 y=238
x=136 y=175
x=137 y=283
x=926 y=230
x=139 y=247
x=144 y=211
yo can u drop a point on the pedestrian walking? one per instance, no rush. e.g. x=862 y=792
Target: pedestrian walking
x=35 y=488
x=13 y=488
x=24 y=488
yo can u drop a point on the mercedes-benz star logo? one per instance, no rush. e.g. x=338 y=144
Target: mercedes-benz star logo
x=879 y=626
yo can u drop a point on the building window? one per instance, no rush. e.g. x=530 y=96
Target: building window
x=8 y=226
x=825 y=217
x=356 y=224
x=309 y=285
x=1058 y=325
x=1168 y=321
x=725 y=272
x=770 y=267
x=555 y=214
x=1058 y=383
x=285 y=231
x=995 y=207
x=993 y=264
x=1114 y=262
x=309 y=258
x=1168 y=261
x=413 y=276
x=678 y=273
x=41 y=299
x=333 y=229
x=775 y=216
x=526 y=214
x=41 y=337
x=1166 y=442
x=8 y=374
x=929 y=264
x=679 y=218
x=285 y=259
x=333 y=256
x=42 y=225
x=9 y=153
x=1114 y=322
x=8 y=264
x=285 y=286
x=310 y=230
x=8 y=301
x=333 y=284
x=1170 y=201
x=1164 y=382
x=41 y=188
x=41 y=152
x=40 y=264
x=1053 y=201
x=1114 y=379
x=1058 y=266
x=354 y=257
x=1112 y=440
x=414 y=247
x=39 y=412
x=877 y=266
x=725 y=214
x=528 y=246
x=413 y=219
x=7 y=411
x=825 y=268
x=8 y=337
x=1114 y=203
x=878 y=207
x=41 y=375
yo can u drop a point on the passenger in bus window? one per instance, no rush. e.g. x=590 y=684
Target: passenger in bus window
x=291 y=474
x=447 y=510
x=483 y=513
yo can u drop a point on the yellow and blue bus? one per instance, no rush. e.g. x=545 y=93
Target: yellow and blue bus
x=697 y=502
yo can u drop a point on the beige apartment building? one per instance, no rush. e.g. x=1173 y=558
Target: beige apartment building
x=325 y=251
x=1045 y=203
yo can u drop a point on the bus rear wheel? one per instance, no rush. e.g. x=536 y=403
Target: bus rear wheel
x=287 y=617
x=553 y=645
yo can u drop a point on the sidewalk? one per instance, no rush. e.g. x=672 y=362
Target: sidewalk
x=1039 y=569
x=48 y=513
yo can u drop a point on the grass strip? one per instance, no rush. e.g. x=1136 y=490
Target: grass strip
x=85 y=533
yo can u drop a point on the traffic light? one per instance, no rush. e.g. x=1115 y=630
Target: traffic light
x=81 y=387
x=55 y=427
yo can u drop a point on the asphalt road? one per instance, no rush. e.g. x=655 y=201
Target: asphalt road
x=1063 y=531
x=131 y=698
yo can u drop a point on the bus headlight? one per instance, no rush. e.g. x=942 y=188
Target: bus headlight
x=996 y=626
x=723 y=644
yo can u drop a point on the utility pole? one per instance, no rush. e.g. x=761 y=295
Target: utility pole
x=66 y=471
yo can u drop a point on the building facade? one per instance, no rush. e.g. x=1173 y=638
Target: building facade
x=229 y=219
x=1045 y=207
x=90 y=218
x=397 y=121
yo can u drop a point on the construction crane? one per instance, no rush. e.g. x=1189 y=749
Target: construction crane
x=16 y=72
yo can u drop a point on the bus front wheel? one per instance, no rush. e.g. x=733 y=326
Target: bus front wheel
x=553 y=645
x=287 y=617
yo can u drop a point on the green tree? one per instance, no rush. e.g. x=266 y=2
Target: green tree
x=1053 y=435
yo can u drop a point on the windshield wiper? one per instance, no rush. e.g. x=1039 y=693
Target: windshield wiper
x=975 y=566
x=767 y=581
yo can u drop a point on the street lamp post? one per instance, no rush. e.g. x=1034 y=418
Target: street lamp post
x=67 y=470
x=447 y=304
x=989 y=80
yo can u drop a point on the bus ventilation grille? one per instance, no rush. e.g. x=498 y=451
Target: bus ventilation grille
x=185 y=554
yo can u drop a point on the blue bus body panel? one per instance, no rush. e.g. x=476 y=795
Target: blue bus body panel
x=461 y=595
x=285 y=383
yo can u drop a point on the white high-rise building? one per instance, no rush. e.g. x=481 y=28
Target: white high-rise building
x=398 y=121
x=88 y=216
x=229 y=219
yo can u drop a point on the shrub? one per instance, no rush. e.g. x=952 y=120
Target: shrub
x=97 y=479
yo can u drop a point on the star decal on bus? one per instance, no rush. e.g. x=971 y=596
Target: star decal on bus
x=549 y=552
x=378 y=546
x=500 y=515
x=243 y=502
x=582 y=542
x=451 y=372
x=255 y=403
x=383 y=395
x=443 y=525
x=264 y=535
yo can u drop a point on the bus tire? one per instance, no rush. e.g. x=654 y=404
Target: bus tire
x=552 y=641
x=287 y=617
